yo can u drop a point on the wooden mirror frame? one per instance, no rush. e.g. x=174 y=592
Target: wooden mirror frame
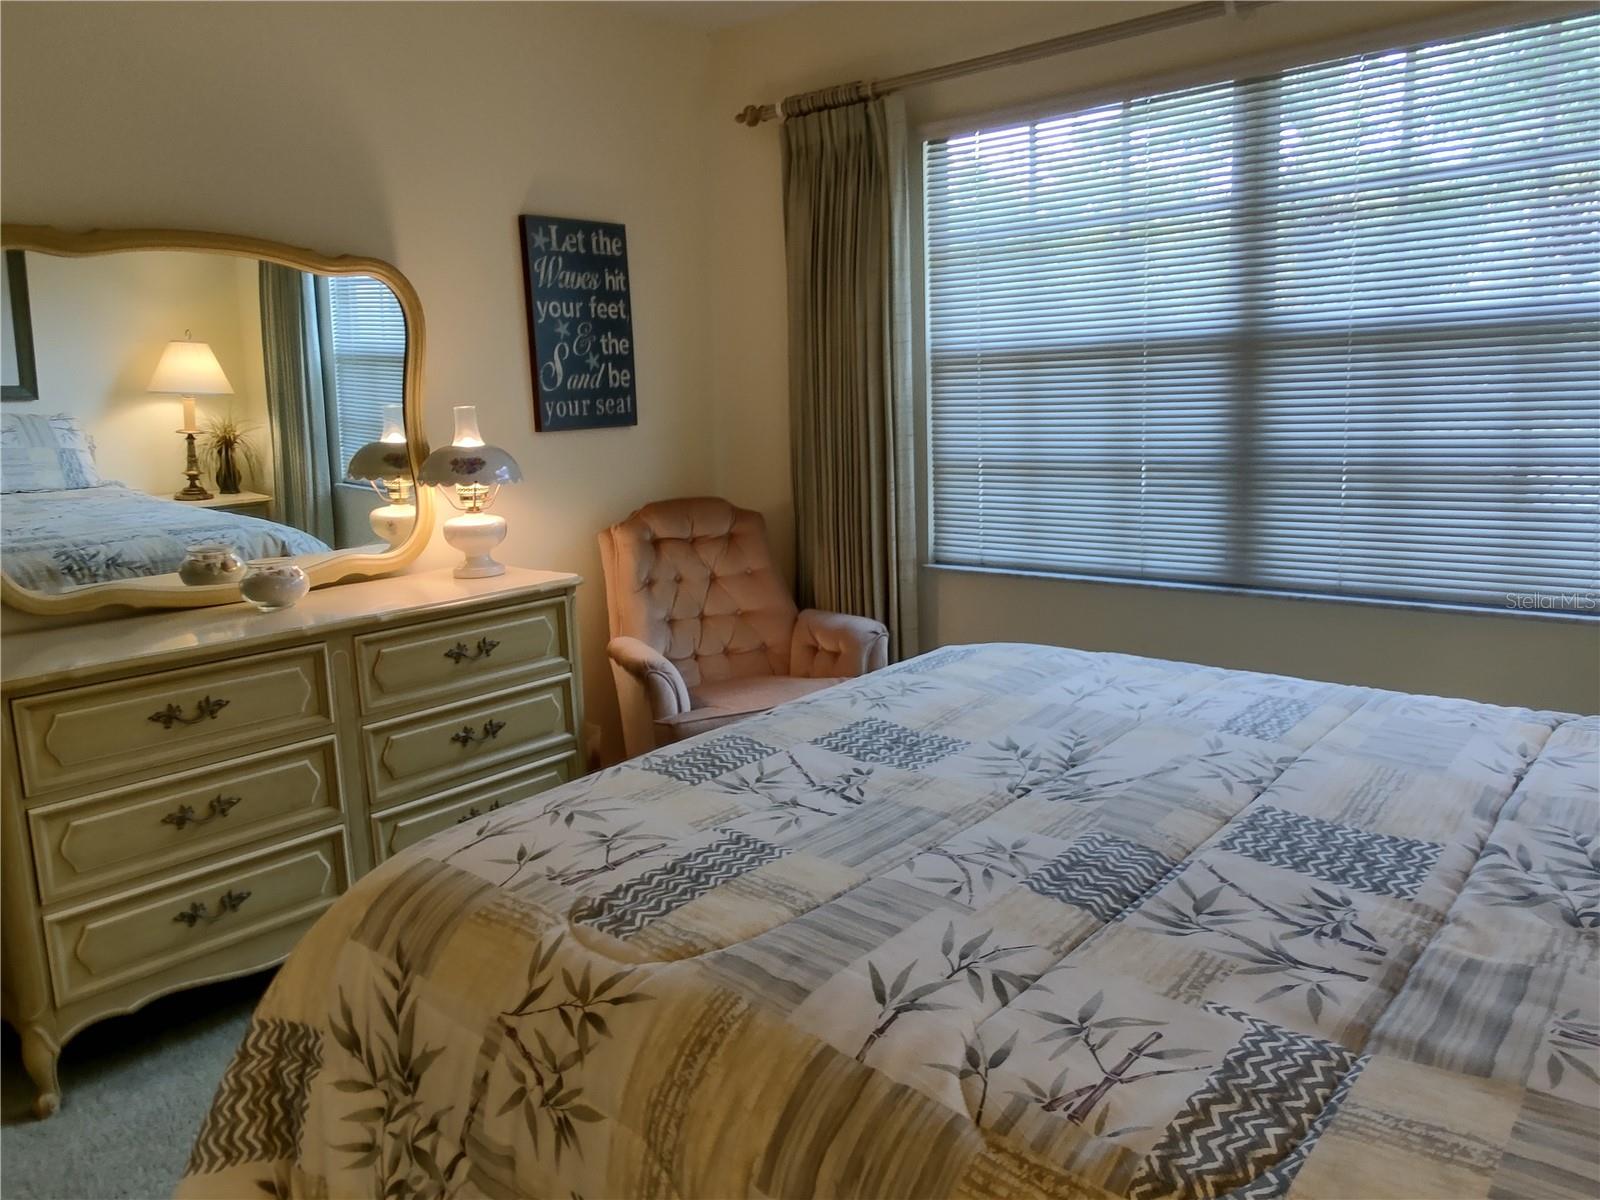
x=336 y=566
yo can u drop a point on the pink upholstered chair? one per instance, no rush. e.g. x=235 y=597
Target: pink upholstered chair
x=703 y=632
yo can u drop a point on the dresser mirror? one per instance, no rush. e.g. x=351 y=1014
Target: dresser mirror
x=186 y=403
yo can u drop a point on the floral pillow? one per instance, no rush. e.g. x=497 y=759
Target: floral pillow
x=45 y=454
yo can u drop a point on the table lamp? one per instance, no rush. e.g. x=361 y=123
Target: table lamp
x=470 y=474
x=189 y=369
x=386 y=465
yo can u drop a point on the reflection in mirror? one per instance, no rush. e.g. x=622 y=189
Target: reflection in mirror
x=386 y=465
x=188 y=399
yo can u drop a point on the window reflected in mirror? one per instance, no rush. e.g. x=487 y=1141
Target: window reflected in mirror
x=191 y=399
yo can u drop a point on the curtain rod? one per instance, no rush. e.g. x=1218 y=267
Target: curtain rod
x=1172 y=18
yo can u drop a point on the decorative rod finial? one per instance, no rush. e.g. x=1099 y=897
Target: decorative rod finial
x=751 y=115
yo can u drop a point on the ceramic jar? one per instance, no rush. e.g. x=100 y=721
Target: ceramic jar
x=210 y=562
x=273 y=583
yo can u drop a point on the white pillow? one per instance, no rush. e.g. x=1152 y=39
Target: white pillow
x=45 y=454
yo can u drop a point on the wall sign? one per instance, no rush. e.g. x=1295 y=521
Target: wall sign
x=580 y=323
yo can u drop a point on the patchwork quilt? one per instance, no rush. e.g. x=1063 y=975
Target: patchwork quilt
x=1002 y=921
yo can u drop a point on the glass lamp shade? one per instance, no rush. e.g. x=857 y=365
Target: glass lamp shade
x=466 y=426
x=190 y=369
x=394 y=424
x=381 y=460
x=484 y=465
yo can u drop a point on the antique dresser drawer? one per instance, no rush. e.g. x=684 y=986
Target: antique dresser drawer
x=405 y=825
x=127 y=727
x=413 y=755
x=82 y=844
x=445 y=659
x=98 y=946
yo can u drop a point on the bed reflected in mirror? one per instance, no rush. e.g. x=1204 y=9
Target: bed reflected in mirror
x=187 y=398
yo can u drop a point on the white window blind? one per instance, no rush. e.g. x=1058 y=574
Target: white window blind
x=1336 y=330
x=369 y=358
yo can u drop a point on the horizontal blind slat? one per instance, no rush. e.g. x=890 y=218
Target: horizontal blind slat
x=369 y=355
x=1370 y=285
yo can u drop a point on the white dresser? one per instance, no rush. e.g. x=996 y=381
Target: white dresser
x=185 y=792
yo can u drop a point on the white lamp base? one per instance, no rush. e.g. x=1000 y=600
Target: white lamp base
x=392 y=522
x=476 y=535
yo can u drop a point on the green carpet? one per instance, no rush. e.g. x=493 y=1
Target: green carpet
x=134 y=1090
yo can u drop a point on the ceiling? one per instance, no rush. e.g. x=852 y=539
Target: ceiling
x=709 y=16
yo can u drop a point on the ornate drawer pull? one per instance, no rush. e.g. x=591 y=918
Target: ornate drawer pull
x=183 y=815
x=459 y=653
x=206 y=710
x=473 y=812
x=491 y=728
x=197 y=913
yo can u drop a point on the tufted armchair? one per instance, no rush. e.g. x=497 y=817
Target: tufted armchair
x=703 y=632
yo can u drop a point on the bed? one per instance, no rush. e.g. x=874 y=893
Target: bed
x=1001 y=921
x=58 y=539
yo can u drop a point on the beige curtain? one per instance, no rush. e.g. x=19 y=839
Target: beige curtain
x=849 y=358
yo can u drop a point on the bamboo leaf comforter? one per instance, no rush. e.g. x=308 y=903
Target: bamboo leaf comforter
x=1002 y=921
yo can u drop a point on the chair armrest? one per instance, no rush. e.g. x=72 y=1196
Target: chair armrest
x=830 y=645
x=663 y=684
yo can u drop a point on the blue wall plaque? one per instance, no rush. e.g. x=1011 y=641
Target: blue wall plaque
x=580 y=323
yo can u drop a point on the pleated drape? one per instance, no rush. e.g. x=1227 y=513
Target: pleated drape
x=849 y=361
x=302 y=478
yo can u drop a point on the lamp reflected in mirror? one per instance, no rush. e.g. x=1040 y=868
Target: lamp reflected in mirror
x=190 y=369
x=386 y=465
x=470 y=472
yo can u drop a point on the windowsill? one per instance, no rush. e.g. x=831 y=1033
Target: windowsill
x=1471 y=610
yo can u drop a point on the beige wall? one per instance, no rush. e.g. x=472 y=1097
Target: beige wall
x=1504 y=658
x=99 y=327
x=414 y=133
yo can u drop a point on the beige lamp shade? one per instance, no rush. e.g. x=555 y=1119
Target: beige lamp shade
x=190 y=369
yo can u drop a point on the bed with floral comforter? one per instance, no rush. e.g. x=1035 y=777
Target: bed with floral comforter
x=54 y=540
x=1002 y=921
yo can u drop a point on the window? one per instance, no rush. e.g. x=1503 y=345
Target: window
x=367 y=367
x=1333 y=331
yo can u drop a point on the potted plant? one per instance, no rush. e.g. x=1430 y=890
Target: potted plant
x=225 y=447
